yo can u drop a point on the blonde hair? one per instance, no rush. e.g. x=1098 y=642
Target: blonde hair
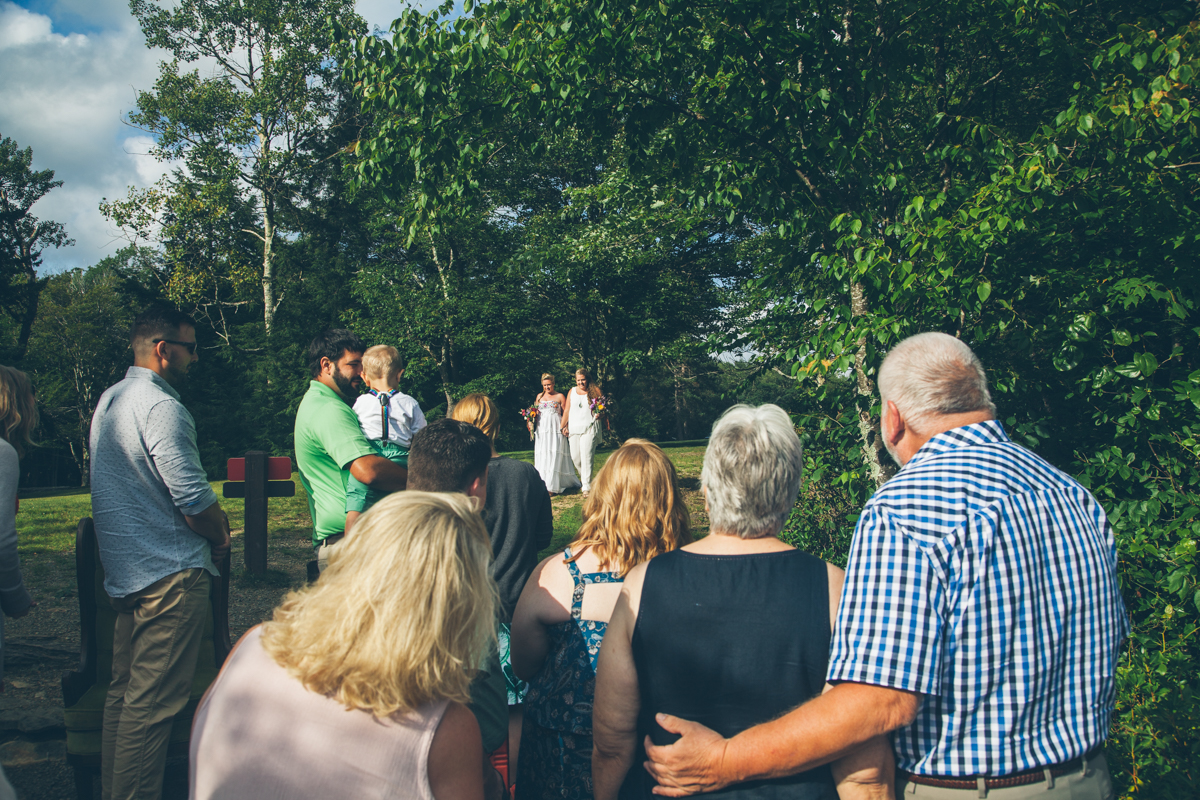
x=634 y=511
x=593 y=390
x=478 y=410
x=546 y=376
x=381 y=361
x=404 y=609
x=18 y=410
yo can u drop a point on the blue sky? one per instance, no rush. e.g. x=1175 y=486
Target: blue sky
x=69 y=73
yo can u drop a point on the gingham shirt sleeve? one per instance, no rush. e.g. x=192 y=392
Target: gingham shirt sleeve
x=893 y=610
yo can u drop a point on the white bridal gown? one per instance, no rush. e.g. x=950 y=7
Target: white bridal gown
x=551 y=452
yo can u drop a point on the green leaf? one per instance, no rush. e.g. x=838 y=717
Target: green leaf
x=1082 y=328
x=984 y=290
x=1139 y=62
x=1122 y=338
x=1128 y=370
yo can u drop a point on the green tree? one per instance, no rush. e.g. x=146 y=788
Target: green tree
x=208 y=257
x=445 y=298
x=23 y=237
x=1021 y=175
x=252 y=130
x=628 y=283
x=80 y=345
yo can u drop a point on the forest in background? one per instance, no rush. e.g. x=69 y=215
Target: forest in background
x=634 y=187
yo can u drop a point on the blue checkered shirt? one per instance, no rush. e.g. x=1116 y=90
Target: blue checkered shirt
x=984 y=579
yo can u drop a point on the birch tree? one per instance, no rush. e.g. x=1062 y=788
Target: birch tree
x=260 y=96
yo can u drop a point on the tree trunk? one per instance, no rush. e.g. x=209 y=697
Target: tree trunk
x=879 y=465
x=680 y=374
x=444 y=374
x=268 y=265
x=80 y=456
x=33 y=291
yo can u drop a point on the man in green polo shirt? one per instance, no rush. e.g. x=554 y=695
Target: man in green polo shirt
x=330 y=445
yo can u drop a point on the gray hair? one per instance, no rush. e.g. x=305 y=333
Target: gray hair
x=932 y=374
x=752 y=471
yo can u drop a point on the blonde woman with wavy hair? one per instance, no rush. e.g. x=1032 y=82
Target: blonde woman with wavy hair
x=634 y=513
x=357 y=686
x=18 y=417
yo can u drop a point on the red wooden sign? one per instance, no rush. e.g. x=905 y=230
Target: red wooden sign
x=278 y=469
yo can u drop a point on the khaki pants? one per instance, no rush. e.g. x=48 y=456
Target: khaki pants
x=1090 y=782
x=326 y=547
x=155 y=646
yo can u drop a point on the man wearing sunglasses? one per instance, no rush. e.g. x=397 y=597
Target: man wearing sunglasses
x=161 y=531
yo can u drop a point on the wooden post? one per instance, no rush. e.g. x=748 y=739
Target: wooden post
x=255 y=532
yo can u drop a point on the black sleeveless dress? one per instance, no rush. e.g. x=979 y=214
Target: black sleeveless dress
x=730 y=642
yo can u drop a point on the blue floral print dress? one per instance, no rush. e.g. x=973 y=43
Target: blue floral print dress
x=556 y=737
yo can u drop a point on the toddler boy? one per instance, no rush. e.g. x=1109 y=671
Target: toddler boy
x=388 y=418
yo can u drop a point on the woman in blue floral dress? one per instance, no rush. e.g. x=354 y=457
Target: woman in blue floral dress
x=635 y=512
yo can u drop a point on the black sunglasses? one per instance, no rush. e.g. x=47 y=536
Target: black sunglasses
x=191 y=346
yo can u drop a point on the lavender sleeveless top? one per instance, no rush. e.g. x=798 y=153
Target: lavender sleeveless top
x=258 y=733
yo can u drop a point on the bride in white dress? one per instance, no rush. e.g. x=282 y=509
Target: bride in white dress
x=551 y=450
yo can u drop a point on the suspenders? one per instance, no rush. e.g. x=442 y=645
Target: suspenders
x=384 y=401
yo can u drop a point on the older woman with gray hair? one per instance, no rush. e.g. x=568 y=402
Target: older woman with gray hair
x=731 y=630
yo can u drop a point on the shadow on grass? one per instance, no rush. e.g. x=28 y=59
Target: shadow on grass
x=52 y=491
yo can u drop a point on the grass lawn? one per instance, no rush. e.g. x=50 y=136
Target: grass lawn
x=46 y=524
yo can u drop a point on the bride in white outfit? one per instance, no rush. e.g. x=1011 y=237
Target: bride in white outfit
x=582 y=426
x=550 y=455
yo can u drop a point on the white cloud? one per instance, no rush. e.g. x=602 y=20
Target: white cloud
x=71 y=72
x=18 y=27
x=65 y=96
x=149 y=168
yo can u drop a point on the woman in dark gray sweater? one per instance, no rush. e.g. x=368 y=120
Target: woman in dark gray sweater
x=520 y=523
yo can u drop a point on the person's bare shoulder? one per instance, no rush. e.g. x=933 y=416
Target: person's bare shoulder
x=550 y=600
x=456 y=756
x=837 y=576
x=631 y=589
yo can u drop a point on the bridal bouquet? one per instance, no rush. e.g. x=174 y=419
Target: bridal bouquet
x=599 y=405
x=530 y=416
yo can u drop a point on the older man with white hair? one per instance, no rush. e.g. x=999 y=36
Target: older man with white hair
x=980 y=618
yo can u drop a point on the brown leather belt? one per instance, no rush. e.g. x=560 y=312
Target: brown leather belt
x=1015 y=779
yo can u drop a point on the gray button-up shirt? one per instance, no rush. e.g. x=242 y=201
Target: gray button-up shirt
x=146 y=476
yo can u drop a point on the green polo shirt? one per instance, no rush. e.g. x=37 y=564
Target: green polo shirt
x=328 y=440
